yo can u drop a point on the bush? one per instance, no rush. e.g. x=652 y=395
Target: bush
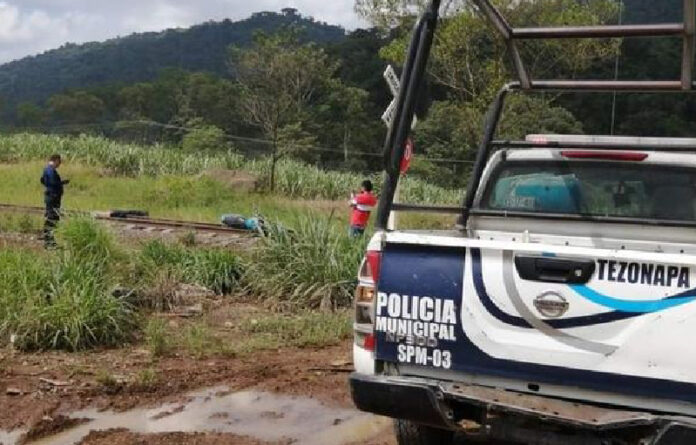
x=309 y=267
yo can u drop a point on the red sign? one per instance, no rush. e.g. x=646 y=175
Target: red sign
x=408 y=155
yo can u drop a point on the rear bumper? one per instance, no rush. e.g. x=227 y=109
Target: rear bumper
x=504 y=415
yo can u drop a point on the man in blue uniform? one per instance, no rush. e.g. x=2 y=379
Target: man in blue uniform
x=53 y=193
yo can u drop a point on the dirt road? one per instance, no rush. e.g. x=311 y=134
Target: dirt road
x=277 y=396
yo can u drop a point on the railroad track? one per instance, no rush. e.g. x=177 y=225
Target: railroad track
x=135 y=221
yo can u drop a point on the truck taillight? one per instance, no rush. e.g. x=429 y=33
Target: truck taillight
x=605 y=155
x=374 y=263
x=368 y=277
x=369 y=342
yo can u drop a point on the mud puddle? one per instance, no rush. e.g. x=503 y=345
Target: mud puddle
x=263 y=416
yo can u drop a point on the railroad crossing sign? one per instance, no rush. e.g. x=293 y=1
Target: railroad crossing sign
x=394 y=85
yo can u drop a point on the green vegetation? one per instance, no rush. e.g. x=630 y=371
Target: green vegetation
x=254 y=332
x=157 y=337
x=310 y=266
x=87 y=293
x=26 y=224
x=294 y=179
x=66 y=301
x=216 y=269
x=231 y=91
x=140 y=56
x=304 y=329
x=92 y=292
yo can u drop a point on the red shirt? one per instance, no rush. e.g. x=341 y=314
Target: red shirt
x=362 y=206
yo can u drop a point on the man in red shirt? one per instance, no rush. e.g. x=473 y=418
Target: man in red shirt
x=362 y=205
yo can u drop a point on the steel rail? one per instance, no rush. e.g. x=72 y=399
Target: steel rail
x=153 y=222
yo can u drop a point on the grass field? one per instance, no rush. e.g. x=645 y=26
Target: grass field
x=199 y=197
x=294 y=179
x=73 y=299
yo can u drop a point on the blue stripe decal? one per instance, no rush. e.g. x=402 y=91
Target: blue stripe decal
x=565 y=323
x=643 y=307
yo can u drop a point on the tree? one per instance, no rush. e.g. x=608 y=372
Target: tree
x=469 y=64
x=471 y=60
x=278 y=77
x=30 y=114
x=79 y=107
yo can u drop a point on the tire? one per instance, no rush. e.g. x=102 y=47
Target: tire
x=411 y=433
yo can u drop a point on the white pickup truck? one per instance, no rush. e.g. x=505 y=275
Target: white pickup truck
x=561 y=311
x=575 y=280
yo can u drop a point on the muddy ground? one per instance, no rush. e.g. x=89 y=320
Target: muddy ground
x=37 y=389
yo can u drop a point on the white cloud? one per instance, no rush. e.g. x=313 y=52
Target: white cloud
x=28 y=27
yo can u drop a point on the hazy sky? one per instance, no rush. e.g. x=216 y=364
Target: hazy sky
x=28 y=27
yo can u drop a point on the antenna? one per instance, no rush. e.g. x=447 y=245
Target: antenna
x=616 y=72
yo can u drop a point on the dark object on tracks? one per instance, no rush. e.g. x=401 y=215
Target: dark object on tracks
x=239 y=222
x=128 y=214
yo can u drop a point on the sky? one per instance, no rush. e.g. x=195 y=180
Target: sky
x=29 y=27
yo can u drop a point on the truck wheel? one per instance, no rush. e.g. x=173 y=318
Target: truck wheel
x=411 y=433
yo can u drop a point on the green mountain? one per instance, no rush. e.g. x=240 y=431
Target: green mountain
x=142 y=57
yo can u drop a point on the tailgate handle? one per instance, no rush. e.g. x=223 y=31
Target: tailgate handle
x=554 y=270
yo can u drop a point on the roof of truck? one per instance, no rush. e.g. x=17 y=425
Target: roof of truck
x=610 y=141
x=560 y=153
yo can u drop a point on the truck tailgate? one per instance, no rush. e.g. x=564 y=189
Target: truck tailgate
x=540 y=318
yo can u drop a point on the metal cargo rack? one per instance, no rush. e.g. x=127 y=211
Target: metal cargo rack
x=414 y=71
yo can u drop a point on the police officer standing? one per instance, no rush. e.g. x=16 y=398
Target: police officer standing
x=53 y=193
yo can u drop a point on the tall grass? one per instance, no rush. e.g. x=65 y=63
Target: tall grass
x=66 y=300
x=294 y=179
x=216 y=269
x=309 y=267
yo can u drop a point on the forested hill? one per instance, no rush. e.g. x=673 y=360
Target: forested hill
x=141 y=57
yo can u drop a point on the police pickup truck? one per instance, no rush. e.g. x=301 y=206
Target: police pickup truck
x=563 y=307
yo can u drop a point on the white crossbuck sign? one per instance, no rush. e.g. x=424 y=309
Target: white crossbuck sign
x=394 y=85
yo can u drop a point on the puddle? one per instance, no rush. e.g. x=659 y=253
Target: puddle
x=264 y=416
x=11 y=437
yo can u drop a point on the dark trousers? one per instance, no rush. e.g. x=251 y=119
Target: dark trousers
x=356 y=231
x=52 y=216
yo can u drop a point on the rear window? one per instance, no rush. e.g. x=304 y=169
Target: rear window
x=595 y=189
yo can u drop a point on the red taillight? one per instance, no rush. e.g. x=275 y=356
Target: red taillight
x=374 y=263
x=537 y=139
x=606 y=155
x=369 y=342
